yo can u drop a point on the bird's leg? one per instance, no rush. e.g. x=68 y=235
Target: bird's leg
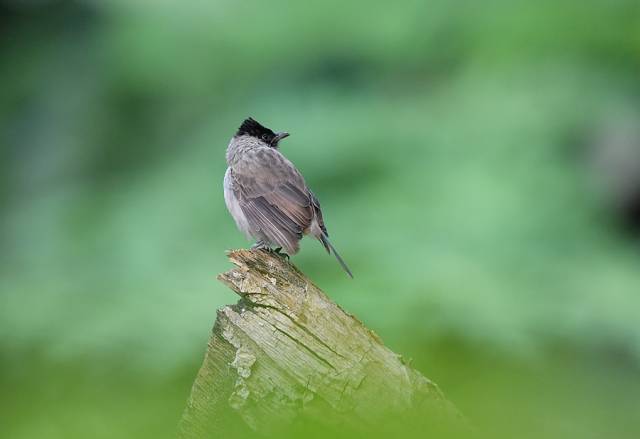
x=281 y=253
x=261 y=245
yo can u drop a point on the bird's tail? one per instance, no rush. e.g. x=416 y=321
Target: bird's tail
x=330 y=249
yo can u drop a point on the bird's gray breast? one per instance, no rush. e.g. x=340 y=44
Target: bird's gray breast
x=233 y=204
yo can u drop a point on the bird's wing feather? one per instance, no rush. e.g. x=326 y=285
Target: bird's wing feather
x=318 y=212
x=274 y=198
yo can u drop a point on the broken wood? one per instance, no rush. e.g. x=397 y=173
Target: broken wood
x=286 y=352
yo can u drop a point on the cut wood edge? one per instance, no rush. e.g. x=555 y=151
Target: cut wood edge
x=286 y=351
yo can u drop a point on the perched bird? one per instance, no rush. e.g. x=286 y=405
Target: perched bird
x=267 y=196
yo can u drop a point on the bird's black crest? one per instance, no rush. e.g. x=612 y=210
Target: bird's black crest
x=253 y=128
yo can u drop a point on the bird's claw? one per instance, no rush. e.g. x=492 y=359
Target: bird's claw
x=280 y=253
x=264 y=247
x=261 y=246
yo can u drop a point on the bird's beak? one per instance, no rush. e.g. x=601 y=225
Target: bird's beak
x=280 y=136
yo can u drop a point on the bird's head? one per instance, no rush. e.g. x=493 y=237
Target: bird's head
x=251 y=127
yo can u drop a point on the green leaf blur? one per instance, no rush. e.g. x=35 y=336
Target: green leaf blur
x=478 y=164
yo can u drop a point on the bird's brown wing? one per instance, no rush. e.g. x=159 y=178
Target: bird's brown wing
x=318 y=212
x=315 y=204
x=274 y=198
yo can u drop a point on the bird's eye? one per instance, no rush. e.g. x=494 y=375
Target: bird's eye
x=265 y=137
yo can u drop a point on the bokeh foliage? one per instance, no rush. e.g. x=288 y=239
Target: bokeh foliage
x=457 y=148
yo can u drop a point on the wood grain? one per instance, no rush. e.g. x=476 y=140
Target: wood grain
x=286 y=351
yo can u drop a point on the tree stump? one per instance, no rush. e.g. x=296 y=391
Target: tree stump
x=286 y=352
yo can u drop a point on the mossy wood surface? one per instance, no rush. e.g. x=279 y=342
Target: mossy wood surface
x=287 y=351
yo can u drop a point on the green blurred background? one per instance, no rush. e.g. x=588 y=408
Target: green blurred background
x=478 y=165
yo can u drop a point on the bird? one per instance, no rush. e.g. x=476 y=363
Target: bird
x=268 y=197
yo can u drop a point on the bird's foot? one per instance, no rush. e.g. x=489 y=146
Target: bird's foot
x=261 y=245
x=280 y=253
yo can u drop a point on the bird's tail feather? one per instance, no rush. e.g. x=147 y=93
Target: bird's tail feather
x=330 y=249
